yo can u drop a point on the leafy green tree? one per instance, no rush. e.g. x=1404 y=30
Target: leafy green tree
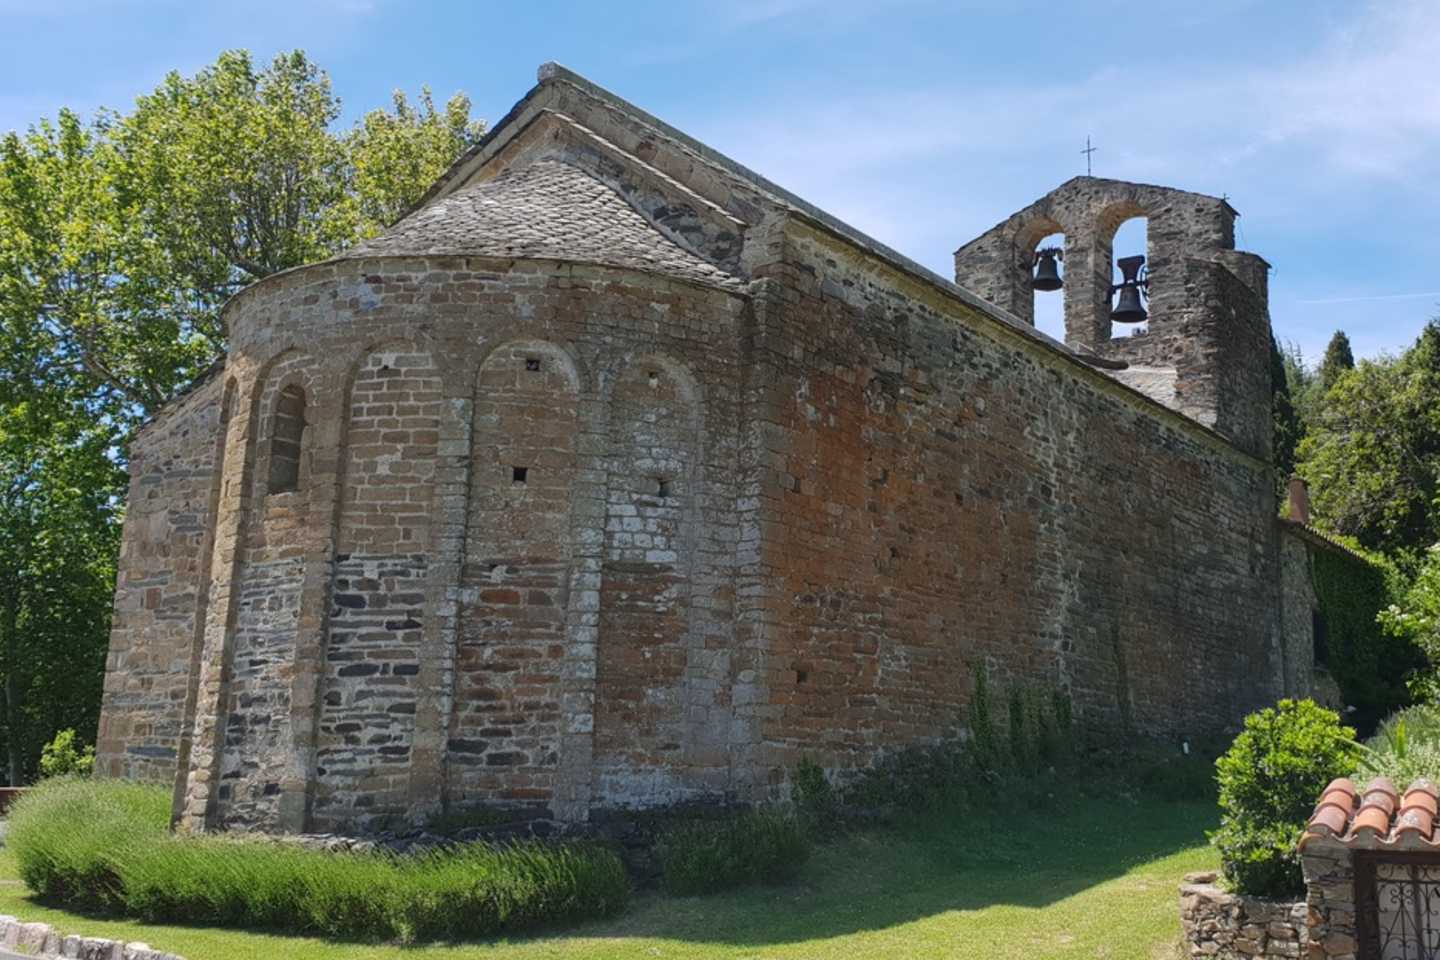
x=1302 y=383
x=397 y=155
x=235 y=171
x=1415 y=618
x=63 y=757
x=124 y=236
x=88 y=314
x=1372 y=457
x=120 y=240
x=58 y=536
x=1339 y=359
x=1286 y=426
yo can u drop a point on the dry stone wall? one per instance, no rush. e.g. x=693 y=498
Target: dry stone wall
x=1228 y=926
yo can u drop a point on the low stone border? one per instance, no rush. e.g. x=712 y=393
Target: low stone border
x=41 y=940
x=1228 y=926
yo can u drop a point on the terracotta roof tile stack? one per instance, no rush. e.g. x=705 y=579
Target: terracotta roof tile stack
x=1377 y=818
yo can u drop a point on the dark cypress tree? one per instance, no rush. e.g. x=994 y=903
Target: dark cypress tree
x=1338 y=359
x=1287 y=430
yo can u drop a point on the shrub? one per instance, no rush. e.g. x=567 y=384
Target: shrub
x=1405 y=748
x=69 y=835
x=983 y=735
x=61 y=757
x=105 y=844
x=816 y=803
x=762 y=846
x=1269 y=781
x=1177 y=777
x=466 y=891
x=1021 y=748
x=993 y=764
x=922 y=779
x=1414 y=619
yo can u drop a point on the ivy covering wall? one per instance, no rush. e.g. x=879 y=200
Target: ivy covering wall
x=1369 y=665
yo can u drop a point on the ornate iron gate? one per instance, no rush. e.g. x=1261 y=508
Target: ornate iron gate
x=1398 y=906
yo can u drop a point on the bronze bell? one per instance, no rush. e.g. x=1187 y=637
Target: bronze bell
x=1128 y=309
x=1047 y=271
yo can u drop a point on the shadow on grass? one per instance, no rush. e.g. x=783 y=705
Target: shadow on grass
x=1028 y=857
x=883 y=878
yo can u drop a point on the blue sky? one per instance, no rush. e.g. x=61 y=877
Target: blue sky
x=921 y=123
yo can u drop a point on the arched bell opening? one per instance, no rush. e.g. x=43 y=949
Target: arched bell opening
x=1129 y=294
x=1047 y=282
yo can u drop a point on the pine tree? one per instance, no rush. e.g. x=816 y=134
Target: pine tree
x=1338 y=359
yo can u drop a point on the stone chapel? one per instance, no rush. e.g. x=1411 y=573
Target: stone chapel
x=615 y=475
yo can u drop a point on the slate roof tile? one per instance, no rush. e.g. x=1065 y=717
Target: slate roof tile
x=1157 y=383
x=545 y=210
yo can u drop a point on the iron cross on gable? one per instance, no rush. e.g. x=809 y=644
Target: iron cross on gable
x=1087 y=151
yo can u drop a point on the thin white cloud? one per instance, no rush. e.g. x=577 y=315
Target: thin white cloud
x=1339 y=136
x=1359 y=108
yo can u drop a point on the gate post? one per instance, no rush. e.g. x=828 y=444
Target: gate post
x=1372 y=872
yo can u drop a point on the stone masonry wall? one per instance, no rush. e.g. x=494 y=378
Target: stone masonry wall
x=263 y=656
x=640 y=715
x=1208 y=322
x=425 y=621
x=1330 y=898
x=1297 y=606
x=944 y=498
x=160 y=594
x=1229 y=926
x=372 y=657
x=908 y=497
x=505 y=733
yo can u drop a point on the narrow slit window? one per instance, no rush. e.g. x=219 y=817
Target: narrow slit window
x=287 y=440
x=662 y=487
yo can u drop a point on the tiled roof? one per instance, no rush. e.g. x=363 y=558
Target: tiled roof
x=1157 y=383
x=1322 y=539
x=1378 y=818
x=546 y=210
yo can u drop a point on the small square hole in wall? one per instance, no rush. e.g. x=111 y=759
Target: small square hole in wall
x=654 y=378
x=802 y=676
x=662 y=487
x=519 y=474
x=532 y=364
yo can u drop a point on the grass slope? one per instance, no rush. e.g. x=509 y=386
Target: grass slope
x=1092 y=878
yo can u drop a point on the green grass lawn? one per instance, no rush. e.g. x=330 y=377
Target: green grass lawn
x=1088 y=879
